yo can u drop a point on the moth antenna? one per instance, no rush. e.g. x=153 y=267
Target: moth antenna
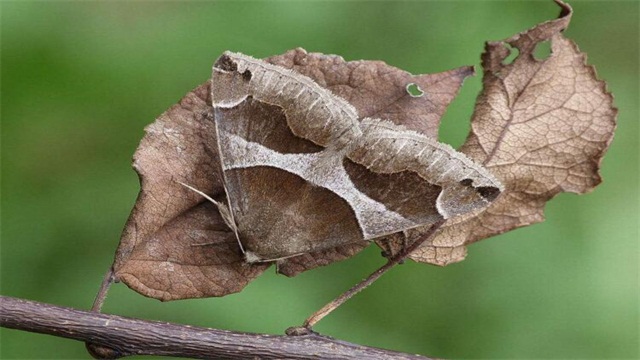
x=224 y=211
x=252 y=257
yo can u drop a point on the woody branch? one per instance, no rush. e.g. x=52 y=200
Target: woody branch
x=111 y=336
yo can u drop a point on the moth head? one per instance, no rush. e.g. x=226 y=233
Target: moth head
x=229 y=84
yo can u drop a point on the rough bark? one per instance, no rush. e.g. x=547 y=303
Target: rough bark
x=112 y=336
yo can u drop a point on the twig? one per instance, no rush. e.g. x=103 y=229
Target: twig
x=119 y=336
x=104 y=289
x=335 y=303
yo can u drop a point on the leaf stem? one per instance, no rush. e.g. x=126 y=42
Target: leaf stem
x=109 y=278
x=393 y=261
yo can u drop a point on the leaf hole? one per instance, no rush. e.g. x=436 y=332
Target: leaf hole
x=414 y=90
x=542 y=50
x=513 y=54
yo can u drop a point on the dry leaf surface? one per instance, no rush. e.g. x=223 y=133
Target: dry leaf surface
x=541 y=126
x=176 y=246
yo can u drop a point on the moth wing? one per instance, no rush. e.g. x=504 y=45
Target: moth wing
x=415 y=176
x=272 y=126
x=302 y=174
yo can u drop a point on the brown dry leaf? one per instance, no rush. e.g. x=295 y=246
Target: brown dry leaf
x=176 y=246
x=379 y=90
x=540 y=126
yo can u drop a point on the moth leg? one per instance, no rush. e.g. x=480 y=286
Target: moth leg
x=253 y=258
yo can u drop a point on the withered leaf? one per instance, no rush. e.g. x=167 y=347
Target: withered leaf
x=541 y=126
x=379 y=90
x=175 y=247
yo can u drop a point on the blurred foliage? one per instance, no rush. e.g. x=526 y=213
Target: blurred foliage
x=80 y=80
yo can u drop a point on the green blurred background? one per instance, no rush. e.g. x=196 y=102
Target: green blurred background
x=80 y=80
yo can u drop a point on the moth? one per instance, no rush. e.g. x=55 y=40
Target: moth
x=303 y=172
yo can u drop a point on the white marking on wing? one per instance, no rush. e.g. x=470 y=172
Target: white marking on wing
x=322 y=169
